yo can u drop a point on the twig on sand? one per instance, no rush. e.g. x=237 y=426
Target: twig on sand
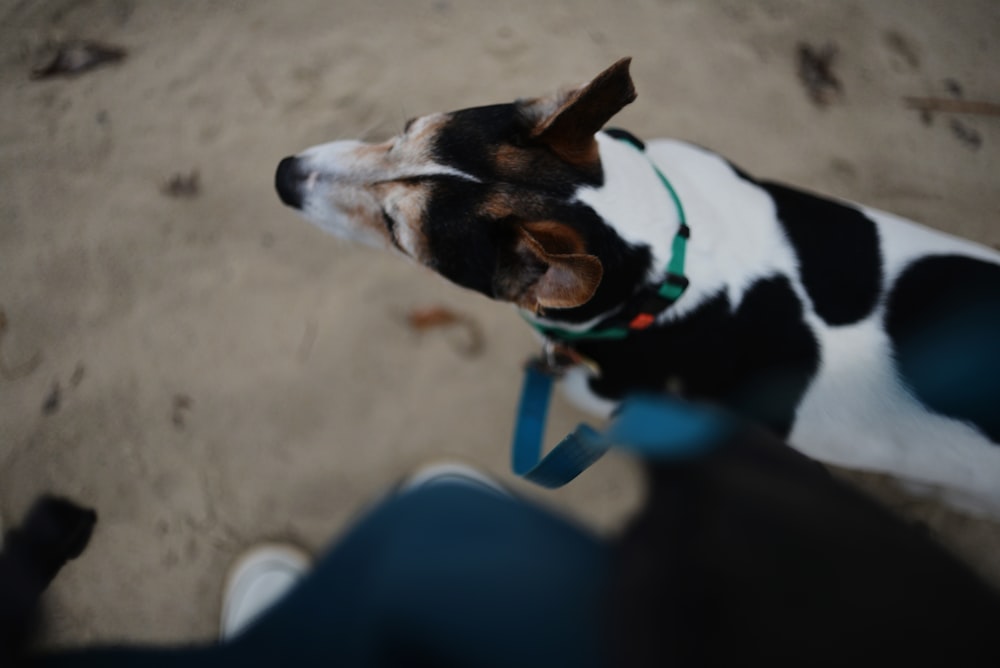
x=433 y=317
x=951 y=106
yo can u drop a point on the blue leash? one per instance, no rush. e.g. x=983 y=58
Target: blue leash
x=573 y=455
x=650 y=426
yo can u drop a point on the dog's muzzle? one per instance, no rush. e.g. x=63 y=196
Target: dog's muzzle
x=289 y=180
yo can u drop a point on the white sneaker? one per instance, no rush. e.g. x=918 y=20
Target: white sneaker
x=258 y=579
x=451 y=473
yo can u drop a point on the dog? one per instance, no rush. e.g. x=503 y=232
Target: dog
x=866 y=340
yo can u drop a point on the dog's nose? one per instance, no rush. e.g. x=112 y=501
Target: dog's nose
x=288 y=182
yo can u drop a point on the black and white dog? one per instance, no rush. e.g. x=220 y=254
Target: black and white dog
x=867 y=340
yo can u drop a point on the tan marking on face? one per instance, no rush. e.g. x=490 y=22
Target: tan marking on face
x=412 y=149
x=512 y=160
x=368 y=217
x=497 y=206
x=427 y=127
x=406 y=203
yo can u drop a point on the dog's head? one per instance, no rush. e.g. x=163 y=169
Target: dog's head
x=486 y=197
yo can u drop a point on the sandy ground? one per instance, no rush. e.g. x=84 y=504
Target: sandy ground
x=225 y=373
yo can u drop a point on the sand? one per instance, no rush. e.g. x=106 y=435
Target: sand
x=227 y=374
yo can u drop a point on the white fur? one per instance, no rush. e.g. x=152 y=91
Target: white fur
x=339 y=160
x=855 y=413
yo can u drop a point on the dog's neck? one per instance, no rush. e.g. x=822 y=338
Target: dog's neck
x=637 y=203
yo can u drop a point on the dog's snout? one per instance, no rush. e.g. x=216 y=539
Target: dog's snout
x=288 y=182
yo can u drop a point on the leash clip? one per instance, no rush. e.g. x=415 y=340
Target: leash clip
x=556 y=359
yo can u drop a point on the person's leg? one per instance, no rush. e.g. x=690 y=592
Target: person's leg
x=445 y=574
x=442 y=574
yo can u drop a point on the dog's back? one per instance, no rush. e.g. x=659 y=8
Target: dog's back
x=866 y=339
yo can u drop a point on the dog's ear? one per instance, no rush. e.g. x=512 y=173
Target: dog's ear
x=547 y=268
x=569 y=127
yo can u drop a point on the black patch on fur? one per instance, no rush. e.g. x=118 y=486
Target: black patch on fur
x=462 y=245
x=758 y=360
x=840 y=261
x=471 y=139
x=468 y=247
x=625 y=135
x=943 y=316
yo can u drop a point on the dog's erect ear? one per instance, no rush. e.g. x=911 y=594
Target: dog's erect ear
x=547 y=268
x=569 y=129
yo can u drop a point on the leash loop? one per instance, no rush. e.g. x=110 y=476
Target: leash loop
x=653 y=427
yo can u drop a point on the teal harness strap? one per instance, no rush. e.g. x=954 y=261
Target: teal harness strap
x=569 y=335
x=647 y=421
